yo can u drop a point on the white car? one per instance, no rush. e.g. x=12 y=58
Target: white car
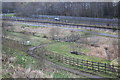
x=57 y=19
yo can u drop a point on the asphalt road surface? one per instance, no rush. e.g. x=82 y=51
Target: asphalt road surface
x=73 y=29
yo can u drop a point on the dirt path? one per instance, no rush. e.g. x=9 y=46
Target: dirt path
x=30 y=52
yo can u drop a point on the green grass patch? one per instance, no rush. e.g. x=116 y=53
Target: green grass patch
x=22 y=59
x=65 y=74
x=60 y=75
x=9 y=15
x=7 y=75
x=110 y=32
x=25 y=25
x=35 y=41
x=35 y=26
x=63 y=48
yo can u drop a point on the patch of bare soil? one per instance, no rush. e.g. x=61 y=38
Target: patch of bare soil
x=107 y=48
x=41 y=30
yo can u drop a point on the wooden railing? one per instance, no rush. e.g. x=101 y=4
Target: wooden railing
x=76 y=63
x=85 y=64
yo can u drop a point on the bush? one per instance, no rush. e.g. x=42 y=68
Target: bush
x=6 y=24
x=44 y=36
x=114 y=29
x=23 y=32
x=60 y=75
x=23 y=26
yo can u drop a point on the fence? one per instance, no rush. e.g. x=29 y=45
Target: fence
x=85 y=64
x=77 y=63
x=14 y=44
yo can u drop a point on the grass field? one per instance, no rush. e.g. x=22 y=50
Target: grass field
x=21 y=59
x=58 y=47
x=25 y=61
x=65 y=74
x=100 y=31
x=35 y=41
x=64 y=49
x=9 y=15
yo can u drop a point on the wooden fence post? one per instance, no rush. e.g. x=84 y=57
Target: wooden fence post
x=118 y=72
x=87 y=64
x=105 y=67
x=59 y=57
x=77 y=62
x=62 y=58
x=82 y=63
x=74 y=62
x=69 y=61
x=92 y=66
x=113 y=69
x=98 y=66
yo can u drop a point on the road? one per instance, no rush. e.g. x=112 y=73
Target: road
x=69 y=28
x=95 y=21
x=83 y=20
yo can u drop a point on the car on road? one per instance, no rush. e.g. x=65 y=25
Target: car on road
x=57 y=19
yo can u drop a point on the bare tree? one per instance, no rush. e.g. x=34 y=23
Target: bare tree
x=81 y=9
x=8 y=7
